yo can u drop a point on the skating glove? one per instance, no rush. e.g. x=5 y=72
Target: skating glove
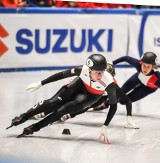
x=34 y=86
x=103 y=133
x=110 y=62
x=130 y=123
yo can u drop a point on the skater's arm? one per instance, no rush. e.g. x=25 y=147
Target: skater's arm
x=157 y=83
x=58 y=76
x=132 y=61
x=111 y=90
x=111 y=113
x=62 y=75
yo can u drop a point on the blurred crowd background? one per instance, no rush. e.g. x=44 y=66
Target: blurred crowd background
x=66 y=4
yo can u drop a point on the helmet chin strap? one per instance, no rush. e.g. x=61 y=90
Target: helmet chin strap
x=90 y=76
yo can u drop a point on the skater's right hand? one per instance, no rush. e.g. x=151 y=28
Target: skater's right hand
x=34 y=86
x=130 y=123
x=103 y=133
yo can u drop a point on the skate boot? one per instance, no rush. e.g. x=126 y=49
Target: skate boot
x=28 y=130
x=100 y=107
x=19 y=120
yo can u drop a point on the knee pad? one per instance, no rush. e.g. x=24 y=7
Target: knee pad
x=39 y=104
x=44 y=103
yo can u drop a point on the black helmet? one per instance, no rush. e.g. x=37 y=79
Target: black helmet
x=111 y=69
x=97 y=62
x=149 y=57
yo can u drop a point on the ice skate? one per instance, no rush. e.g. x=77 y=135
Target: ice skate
x=99 y=108
x=17 y=120
x=28 y=131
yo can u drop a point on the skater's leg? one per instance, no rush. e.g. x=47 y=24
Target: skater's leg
x=49 y=106
x=38 y=108
x=100 y=106
x=51 y=118
x=130 y=83
x=100 y=101
x=140 y=92
x=80 y=102
x=62 y=96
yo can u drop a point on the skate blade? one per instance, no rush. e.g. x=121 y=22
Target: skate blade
x=131 y=127
x=21 y=135
x=9 y=127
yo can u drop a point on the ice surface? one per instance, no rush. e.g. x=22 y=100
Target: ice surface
x=82 y=146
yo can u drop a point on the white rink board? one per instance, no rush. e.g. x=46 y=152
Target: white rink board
x=63 y=40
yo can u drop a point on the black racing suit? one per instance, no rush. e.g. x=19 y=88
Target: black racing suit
x=103 y=102
x=139 y=85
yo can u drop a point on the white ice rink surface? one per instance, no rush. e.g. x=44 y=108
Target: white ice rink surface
x=82 y=146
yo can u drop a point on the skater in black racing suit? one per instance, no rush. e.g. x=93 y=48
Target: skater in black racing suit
x=85 y=90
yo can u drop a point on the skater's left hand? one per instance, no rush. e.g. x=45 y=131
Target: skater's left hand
x=130 y=123
x=34 y=86
x=103 y=133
